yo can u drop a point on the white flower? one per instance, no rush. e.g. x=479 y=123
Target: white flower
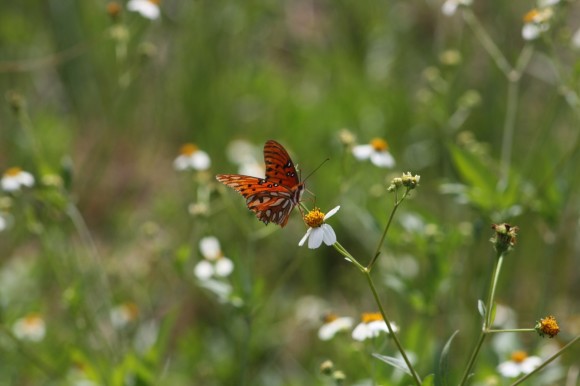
x=191 y=157
x=334 y=324
x=31 y=327
x=536 y=22
x=450 y=6
x=214 y=262
x=371 y=326
x=15 y=178
x=123 y=314
x=147 y=8
x=319 y=231
x=520 y=363
x=376 y=151
x=245 y=155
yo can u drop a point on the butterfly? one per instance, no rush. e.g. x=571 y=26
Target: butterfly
x=271 y=198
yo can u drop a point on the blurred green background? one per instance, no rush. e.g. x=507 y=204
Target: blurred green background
x=108 y=101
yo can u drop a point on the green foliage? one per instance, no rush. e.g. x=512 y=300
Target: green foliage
x=101 y=256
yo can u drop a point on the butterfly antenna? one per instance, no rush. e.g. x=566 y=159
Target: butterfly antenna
x=318 y=167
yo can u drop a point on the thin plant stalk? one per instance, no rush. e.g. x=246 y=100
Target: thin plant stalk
x=487 y=322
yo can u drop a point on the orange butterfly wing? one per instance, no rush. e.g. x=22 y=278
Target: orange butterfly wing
x=271 y=198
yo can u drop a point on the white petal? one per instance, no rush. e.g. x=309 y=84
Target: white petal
x=383 y=159
x=531 y=31
x=360 y=332
x=200 y=160
x=530 y=364
x=223 y=267
x=145 y=7
x=25 y=178
x=181 y=162
x=328 y=235
x=328 y=330
x=203 y=270
x=10 y=184
x=315 y=239
x=509 y=369
x=547 y=3
x=449 y=7
x=210 y=247
x=362 y=152
x=331 y=213
x=301 y=243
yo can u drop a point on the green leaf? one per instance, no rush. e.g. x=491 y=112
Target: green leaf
x=444 y=360
x=429 y=380
x=395 y=362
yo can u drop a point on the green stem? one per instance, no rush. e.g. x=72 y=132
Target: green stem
x=380 y=244
x=391 y=332
x=487 y=42
x=487 y=322
x=512 y=330
x=550 y=359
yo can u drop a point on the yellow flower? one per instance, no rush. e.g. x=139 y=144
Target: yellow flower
x=547 y=326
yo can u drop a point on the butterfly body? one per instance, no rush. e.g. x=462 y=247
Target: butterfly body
x=271 y=198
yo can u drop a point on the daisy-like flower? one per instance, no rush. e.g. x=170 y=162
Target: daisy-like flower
x=15 y=178
x=377 y=151
x=124 y=314
x=319 y=231
x=245 y=155
x=371 y=325
x=519 y=363
x=334 y=324
x=147 y=8
x=449 y=7
x=191 y=157
x=214 y=262
x=536 y=22
x=31 y=327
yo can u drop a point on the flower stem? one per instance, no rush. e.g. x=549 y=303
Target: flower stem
x=487 y=322
x=414 y=374
x=511 y=330
x=550 y=359
x=380 y=244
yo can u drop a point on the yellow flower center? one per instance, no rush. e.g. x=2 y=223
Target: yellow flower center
x=132 y=310
x=329 y=317
x=32 y=321
x=379 y=144
x=156 y=2
x=314 y=218
x=113 y=9
x=549 y=326
x=519 y=356
x=531 y=15
x=12 y=172
x=368 y=317
x=188 y=149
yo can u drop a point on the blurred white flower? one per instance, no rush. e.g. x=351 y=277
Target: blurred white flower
x=449 y=7
x=536 y=22
x=371 y=325
x=377 y=151
x=191 y=157
x=214 y=262
x=146 y=336
x=334 y=324
x=146 y=8
x=245 y=155
x=576 y=39
x=319 y=231
x=30 y=327
x=15 y=178
x=123 y=314
x=520 y=363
